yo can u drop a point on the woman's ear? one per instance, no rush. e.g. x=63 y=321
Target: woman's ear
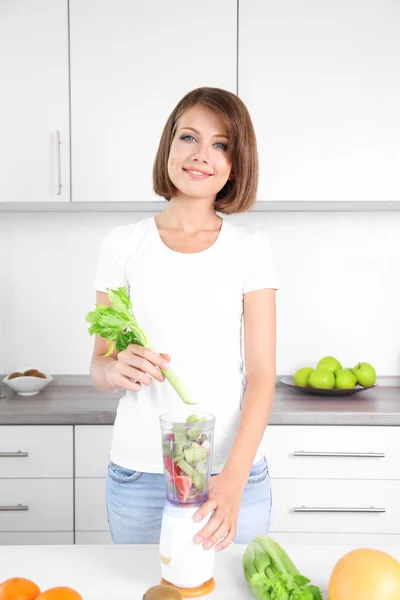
x=231 y=175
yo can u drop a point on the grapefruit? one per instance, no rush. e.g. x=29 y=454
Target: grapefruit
x=365 y=574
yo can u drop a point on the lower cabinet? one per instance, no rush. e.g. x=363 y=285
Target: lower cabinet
x=334 y=485
x=330 y=485
x=36 y=484
x=36 y=538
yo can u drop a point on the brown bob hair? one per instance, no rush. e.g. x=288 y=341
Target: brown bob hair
x=239 y=193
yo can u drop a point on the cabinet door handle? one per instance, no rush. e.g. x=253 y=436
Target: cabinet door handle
x=341 y=454
x=17 y=507
x=339 y=509
x=58 y=164
x=18 y=454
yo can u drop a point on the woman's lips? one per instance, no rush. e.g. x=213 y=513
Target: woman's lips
x=196 y=174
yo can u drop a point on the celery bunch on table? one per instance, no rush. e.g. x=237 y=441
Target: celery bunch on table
x=118 y=325
x=272 y=575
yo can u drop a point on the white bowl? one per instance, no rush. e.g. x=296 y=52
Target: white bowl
x=28 y=385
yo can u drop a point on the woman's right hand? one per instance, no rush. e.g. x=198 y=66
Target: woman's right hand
x=134 y=366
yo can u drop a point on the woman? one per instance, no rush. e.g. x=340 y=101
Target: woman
x=202 y=288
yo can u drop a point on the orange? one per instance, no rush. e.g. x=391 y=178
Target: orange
x=59 y=593
x=18 y=588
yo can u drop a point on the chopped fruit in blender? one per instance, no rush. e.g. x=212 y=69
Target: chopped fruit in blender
x=199 y=481
x=195 y=453
x=186 y=468
x=183 y=485
x=187 y=452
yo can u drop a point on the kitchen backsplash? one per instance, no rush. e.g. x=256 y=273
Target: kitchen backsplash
x=338 y=271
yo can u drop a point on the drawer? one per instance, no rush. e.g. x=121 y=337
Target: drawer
x=36 y=505
x=92 y=537
x=36 y=451
x=353 y=452
x=36 y=538
x=90 y=505
x=92 y=450
x=335 y=506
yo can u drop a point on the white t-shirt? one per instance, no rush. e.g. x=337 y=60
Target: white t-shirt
x=190 y=307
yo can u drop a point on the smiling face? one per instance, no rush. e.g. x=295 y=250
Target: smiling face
x=198 y=163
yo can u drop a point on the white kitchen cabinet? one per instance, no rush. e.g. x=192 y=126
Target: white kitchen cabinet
x=331 y=505
x=36 y=538
x=334 y=484
x=90 y=505
x=315 y=452
x=30 y=451
x=130 y=65
x=92 y=450
x=36 y=484
x=34 y=116
x=36 y=505
x=322 y=83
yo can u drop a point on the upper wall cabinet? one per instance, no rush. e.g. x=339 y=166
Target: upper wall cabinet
x=34 y=113
x=131 y=62
x=322 y=83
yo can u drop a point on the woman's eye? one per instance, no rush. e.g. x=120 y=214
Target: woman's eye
x=186 y=137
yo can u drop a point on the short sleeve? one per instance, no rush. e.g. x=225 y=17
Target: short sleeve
x=110 y=271
x=260 y=267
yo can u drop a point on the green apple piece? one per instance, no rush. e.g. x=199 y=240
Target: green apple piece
x=321 y=378
x=365 y=373
x=345 y=379
x=329 y=363
x=301 y=376
x=191 y=419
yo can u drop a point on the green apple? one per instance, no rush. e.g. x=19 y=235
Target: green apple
x=321 y=378
x=345 y=379
x=301 y=376
x=329 y=363
x=365 y=373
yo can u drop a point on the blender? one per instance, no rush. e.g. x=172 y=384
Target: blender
x=187 y=447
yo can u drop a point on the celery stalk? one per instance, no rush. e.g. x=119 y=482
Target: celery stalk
x=118 y=325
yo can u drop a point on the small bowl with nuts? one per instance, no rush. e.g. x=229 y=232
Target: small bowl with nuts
x=27 y=383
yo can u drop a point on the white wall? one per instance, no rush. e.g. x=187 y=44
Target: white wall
x=339 y=275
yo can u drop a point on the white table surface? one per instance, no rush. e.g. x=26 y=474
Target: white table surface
x=122 y=572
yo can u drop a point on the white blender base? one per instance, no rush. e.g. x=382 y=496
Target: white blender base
x=184 y=563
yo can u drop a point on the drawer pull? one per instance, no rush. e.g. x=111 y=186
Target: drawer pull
x=14 y=454
x=341 y=454
x=17 y=507
x=352 y=509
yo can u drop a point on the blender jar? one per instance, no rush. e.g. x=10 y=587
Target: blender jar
x=187 y=447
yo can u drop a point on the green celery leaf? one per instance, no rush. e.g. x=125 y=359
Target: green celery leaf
x=300 y=580
x=120 y=301
x=124 y=338
x=316 y=592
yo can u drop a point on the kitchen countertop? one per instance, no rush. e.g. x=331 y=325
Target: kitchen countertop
x=72 y=400
x=122 y=572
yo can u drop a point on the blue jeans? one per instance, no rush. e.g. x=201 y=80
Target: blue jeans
x=135 y=502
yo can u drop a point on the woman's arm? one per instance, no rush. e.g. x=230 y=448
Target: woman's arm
x=259 y=316
x=100 y=363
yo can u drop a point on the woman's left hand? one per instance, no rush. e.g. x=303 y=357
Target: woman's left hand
x=225 y=495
